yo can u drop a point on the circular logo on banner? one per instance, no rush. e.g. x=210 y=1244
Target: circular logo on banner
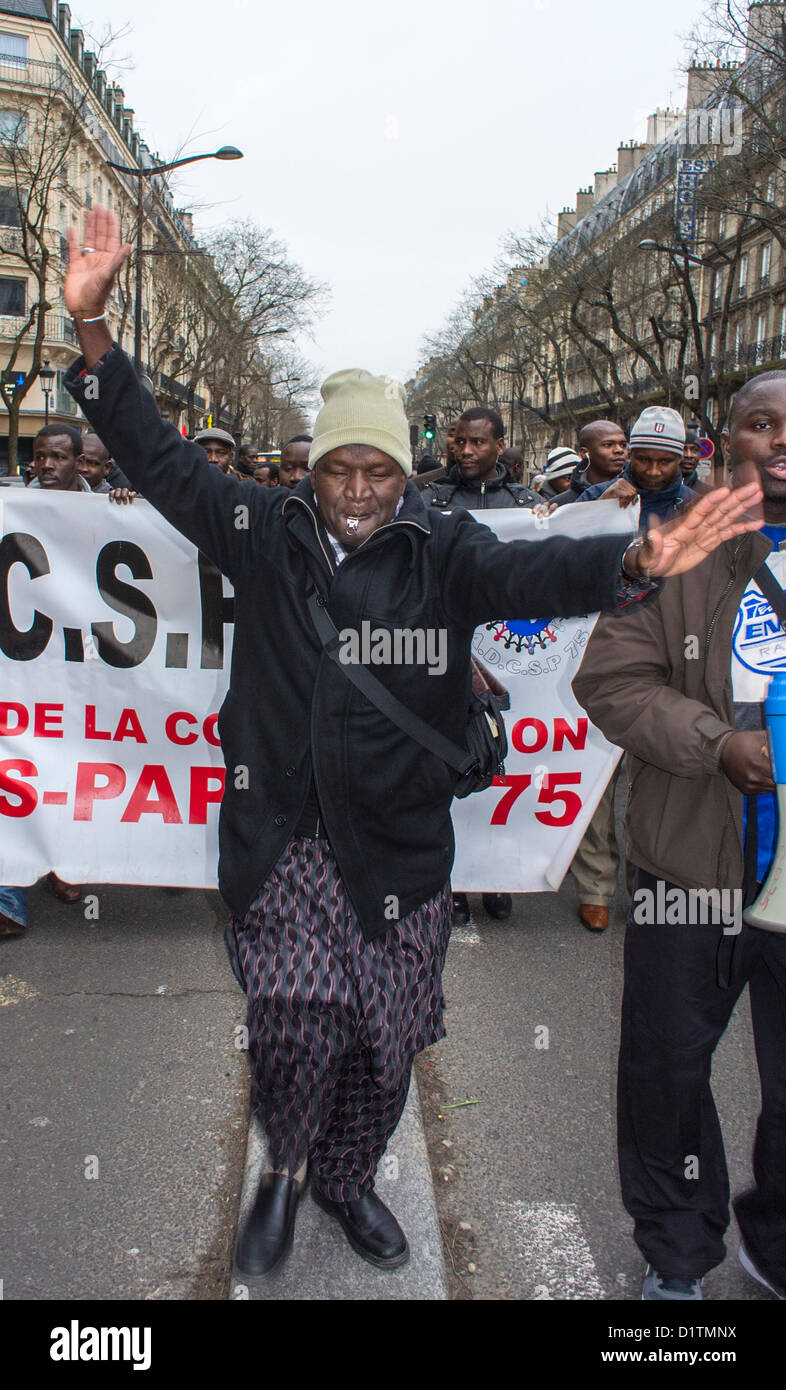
x=523 y=636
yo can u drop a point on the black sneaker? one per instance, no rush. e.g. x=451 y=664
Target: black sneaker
x=461 y=912
x=498 y=905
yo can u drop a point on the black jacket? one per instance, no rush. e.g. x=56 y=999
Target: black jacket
x=501 y=491
x=385 y=801
x=578 y=484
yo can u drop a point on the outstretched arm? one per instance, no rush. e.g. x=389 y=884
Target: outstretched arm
x=174 y=475
x=488 y=578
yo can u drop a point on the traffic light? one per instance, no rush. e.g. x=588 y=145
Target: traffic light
x=429 y=426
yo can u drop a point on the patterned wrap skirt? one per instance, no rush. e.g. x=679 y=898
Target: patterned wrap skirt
x=319 y=992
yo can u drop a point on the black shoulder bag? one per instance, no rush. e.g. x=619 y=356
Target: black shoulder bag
x=476 y=765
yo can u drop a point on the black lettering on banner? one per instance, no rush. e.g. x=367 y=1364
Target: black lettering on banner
x=125 y=599
x=216 y=611
x=73 y=646
x=18 y=548
x=176 y=651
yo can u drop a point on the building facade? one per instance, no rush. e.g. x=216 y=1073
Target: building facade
x=593 y=325
x=61 y=124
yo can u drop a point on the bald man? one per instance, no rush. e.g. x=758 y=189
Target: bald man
x=604 y=450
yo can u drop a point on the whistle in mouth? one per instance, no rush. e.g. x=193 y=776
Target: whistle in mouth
x=352 y=523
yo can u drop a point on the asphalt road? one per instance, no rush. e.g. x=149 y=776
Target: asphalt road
x=526 y=1176
x=123 y=1099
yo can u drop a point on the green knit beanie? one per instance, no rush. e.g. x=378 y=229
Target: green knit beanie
x=362 y=409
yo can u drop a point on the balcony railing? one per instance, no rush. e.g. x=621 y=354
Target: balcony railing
x=178 y=390
x=34 y=72
x=59 y=328
x=746 y=355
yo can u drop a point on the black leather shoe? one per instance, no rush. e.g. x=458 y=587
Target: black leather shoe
x=498 y=905
x=269 y=1230
x=370 y=1228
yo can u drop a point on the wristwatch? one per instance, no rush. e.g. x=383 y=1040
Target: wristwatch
x=643 y=573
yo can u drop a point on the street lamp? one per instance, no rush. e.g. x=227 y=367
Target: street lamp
x=141 y=173
x=705 y=262
x=46 y=376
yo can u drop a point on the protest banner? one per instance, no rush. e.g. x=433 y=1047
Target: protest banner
x=115 y=646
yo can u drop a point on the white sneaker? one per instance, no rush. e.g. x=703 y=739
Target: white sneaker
x=656 y=1287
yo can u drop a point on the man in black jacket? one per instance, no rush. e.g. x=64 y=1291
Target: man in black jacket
x=336 y=846
x=478 y=478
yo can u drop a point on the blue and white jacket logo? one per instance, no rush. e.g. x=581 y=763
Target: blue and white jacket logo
x=759 y=642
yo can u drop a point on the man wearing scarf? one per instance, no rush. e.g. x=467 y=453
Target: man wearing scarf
x=657 y=445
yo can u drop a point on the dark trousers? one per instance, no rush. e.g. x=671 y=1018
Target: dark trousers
x=681 y=984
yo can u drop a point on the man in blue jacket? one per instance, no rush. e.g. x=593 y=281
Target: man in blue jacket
x=336 y=845
x=652 y=473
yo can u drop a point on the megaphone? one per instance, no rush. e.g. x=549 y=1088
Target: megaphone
x=769 y=909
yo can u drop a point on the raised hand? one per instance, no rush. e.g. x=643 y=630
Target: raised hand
x=93 y=267
x=683 y=543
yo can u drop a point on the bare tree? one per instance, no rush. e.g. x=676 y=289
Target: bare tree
x=46 y=115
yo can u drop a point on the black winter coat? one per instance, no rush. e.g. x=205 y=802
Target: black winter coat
x=384 y=799
x=500 y=491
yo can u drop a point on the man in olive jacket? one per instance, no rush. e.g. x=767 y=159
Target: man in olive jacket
x=336 y=847
x=679 y=686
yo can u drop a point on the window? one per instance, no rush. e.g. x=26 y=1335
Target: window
x=13 y=128
x=12 y=296
x=722 y=227
x=13 y=49
x=739 y=341
x=766 y=261
x=10 y=215
x=761 y=329
x=743 y=276
x=783 y=324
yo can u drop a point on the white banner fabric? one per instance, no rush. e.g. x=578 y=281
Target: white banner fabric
x=115 y=644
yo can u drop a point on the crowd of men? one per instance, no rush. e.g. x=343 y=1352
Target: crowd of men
x=700 y=779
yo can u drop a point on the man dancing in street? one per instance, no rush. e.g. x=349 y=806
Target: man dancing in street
x=336 y=847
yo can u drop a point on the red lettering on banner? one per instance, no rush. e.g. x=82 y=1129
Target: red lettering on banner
x=46 y=715
x=152 y=777
x=201 y=793
x=516 y=784
x=88 y=790
x=90 y=725
x=577 y=738
x=171 y=731
x=23 y=719
x=550 y=791
x=27 y=794
x=541 y=735
x=209 y=730
x=128 y=726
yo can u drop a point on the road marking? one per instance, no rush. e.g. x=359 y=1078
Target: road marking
x=467 y=935
x=557 y=1258
x=14 y=991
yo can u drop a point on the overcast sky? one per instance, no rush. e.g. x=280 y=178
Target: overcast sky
x=392 y=146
